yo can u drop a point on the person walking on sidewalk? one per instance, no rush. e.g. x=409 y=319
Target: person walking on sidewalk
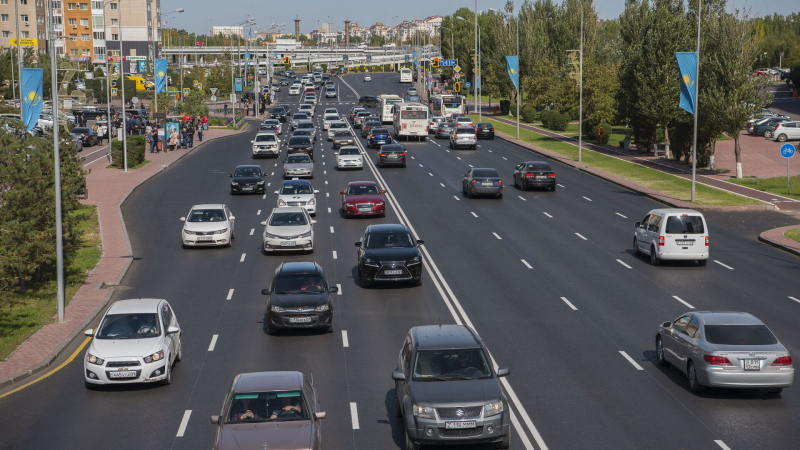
x=225 y=109
x=96 y=130
x=190 y=133
x=184 y=135
x=155 y=139
x=200 y=130
x=173 y=140
x=148 y=137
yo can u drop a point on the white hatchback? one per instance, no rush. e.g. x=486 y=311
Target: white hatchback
x=208 y=225
x=296 y=192
x=137 y=341
x=333 y=127
x=787 y=131
x=672 y=234
x=289 y=228
x=349 y=157
x=294 y=90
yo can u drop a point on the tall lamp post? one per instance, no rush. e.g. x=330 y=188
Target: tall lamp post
x=233 y=86
x=477 y=61
x=122 y=78
x=517 y=21
x=580 y=96
x=155 y=48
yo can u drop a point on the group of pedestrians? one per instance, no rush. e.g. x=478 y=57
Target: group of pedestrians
x=177 y=138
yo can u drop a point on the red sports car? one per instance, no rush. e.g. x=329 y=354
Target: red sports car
x=363 y=198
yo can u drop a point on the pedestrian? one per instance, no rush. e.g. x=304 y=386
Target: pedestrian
x=205 y=122
x=200 y=131
x=96 y=130
x=149 y=139
x=225 y=108
x=148 y=129
x=173 y=140
x=155 y=139
x=184 y=133
x=190 y=134
x=254 y=108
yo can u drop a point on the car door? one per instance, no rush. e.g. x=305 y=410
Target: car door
x=404 y=364
x=230 y=217
x=673 y=348
x=467 y=178
x=792 y=130
x=517 y=172
x=641 y=234
x=687 y=341
x=166 y=320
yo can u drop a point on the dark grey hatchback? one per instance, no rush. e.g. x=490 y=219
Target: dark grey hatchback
x=446 y=390
x=299 y=297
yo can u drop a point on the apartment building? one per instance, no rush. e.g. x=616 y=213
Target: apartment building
x=31 y=19
x=227 y=31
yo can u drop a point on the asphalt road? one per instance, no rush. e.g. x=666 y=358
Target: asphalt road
x=547 y=278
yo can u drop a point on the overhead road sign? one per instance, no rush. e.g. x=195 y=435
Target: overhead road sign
x=447 y=62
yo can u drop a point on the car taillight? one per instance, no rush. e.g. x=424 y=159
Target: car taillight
x=500 y=183
x=552 y=175
x=492 y=129
x=717 y=360
x=782 y=361
x=475 y=137
x=706 y=241
x=661 y=241
x=473 y=182
x=529 y=175
x=776 y=127
x=403 y=154
x=381 y=154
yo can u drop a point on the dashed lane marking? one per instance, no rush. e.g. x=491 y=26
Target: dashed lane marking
x=345 y=342
x=497 y=235
x=798 y=301
x=339 y=286
x=526 y=264
x=682 y=301
x=723 y=265
x=586 y=198
x=548 y=215
x=334 y=254
x=630 y=360
x=627 y=266
x=230 y=294
x=624 y=217
x=184 y=422
x=354 y=415
x=457 y=199
x=252 y=230
x=242 y=258
x=213 y=343
x=331 y=230
x=522 y=198
x=581 y=236
x=569 y=303
x=473 y=214
x=258 y=213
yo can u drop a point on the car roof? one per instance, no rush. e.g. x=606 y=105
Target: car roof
x=296 y=182
x=359 y=183
x=665 y=211
x=436 y=337
x=392 y=147
x=299 y=267
x=727 y=318
x=135 y=306
x=268 y=381
x=208 y=206
x=387 y=228
x=249 y=166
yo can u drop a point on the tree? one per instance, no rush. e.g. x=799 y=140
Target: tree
x=194 y=104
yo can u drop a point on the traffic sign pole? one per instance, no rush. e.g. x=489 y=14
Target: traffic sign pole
x=787 y=151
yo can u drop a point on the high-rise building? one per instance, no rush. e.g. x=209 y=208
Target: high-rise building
x=227 y=31
x=26 y=16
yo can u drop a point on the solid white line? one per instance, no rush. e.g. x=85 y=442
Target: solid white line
x=442 y=184
x=560 y=185
x=252 y=230
x=354 y=415
x=682 y=301
x=340 y=289
x=258 y=213
x=569 y=303
x=230 y=294
x=630 y=360
x=456 y=198
x=505 y=158
x=497 y=235
x=430 y=174
x=723 y=265
x=624 y=217
x=526 y=264
x=722 y=444
x=798 y=301
x=184 y=422
x=331 y=229
x=213 y=343
x=629 y=267
x=242 y=258
x=329 y=210
x=473 y=214
x=587 y=198
x=522 y=198
x=548 y=215
x=581 y=236
x=334 y=254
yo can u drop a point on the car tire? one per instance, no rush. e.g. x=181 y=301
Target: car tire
x=365 y=282
x=168 y=380
x=768 y=134
x=553 y=188
x=410 y=445
x=271 y=331
x=179 y=355
x=522 y=186
x=636 y=251
x=654 y=261
x=776 y=391
x=505 y=443
x=398 y=411
x=702 y=262
x=782 y=137
x=694 y=385
x=418 y=281
x=660 y=352
x=90 y=386
x=499 y=196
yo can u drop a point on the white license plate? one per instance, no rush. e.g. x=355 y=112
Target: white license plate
x=204 y=238
x=541 y=177
x=299 y=319
x=488 y=184
x=459 y=425
x=684 y=242
x=127 y=374
x=287 y=244
x=247 y=189
x=365 y=209
x=393 y=272
x=752 y=364
x=390 y=155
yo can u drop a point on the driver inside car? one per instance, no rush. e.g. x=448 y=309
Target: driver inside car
x=288 y=404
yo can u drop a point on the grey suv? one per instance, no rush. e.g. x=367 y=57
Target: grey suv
x=446 y=390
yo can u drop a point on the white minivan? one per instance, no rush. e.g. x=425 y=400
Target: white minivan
x=672 y=234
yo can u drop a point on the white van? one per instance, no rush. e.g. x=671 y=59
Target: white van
x=672 y=234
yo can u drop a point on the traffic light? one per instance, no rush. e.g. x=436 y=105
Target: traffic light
x=457 y=86
x=435 y=62
x=286 y=60
x=177 y=96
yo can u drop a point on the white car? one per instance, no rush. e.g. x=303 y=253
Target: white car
x=137 y=341
x=328 y=118
x=367 y=77
x=266 y=144
x=330 y=93
x=333 y=127
x=672 y=234
x=275 y=122
x=349 y=157
x=306 y=108
x=787 y=131
x=208 y=225
x=294 y=90
x=45 y=121
x=330 y=111
x=296 y=192
x=289 y=228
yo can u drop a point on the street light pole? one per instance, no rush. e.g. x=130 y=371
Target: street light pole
x=696 y=95
x=580 y=101
x=155 y=50
x=122 y=77
x=518 y=96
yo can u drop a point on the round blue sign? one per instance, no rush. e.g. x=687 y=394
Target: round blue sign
x=787 y=150
x=468 y=84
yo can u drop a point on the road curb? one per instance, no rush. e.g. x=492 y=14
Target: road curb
x=775 y=237
x=50 y=358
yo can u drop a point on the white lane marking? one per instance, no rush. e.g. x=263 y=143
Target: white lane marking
x=413 y=157
x=581 y=236
x=334 y=254
x=326 y=181
x=268 y=185
x=473 y=214
x=331 y=230
x=339 y=286
x=329 y=210
x=273 y=173
x=276 y=164
x=723 y=265
x=526 y=264
x=184 y=422
x=252 y=230
x=490 y=151
x=448 y=151
x=456 y=198
x=242 y=258
x=505 y=158
x=624 y=217
x=323 y=162
x=327 y=194
x=324 y=172
x=230 y=294
x=497 y=235
x=441 y=184
x=264 y=196
x=258 y=213
x=548 y=215
x=629 y=267
x=470 y=165
x=798 y=301
x=522 y=198
x=721 y=444
x=213 y=343
x=458 y=157
x=345 y=342
x=630 y=360
x=354 y=415
x=560 y=185
x=585 y=197
x=682 y=301
x=423 y=166
x=569 y=303
x=430 y=174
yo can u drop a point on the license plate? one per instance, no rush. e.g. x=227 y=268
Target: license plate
x=684 y=242
x=203 y=238
x=392 y=156
x=751 y=364
x=541 y=177
x=247 y=189
x=365 y=209
x=128 y=374
x=393 y=272
x=488 y=184
x=459 y=425
x=299 y=319
x=287 y=244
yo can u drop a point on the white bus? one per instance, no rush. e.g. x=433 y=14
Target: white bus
x=385 y=104
x=410 y=119
x=447 y=105
x=406 y=75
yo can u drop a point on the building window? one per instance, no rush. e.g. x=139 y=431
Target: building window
x=73 y=22
x=99 y=52
x=114 y=37
x=6 y=34
x=97 y=22
x=23 y=18
x=23 y=2
x=113 y=6
x=114 y=22
x=70 y=6
x=86 y=37
x=73 y=51
x=25 y=34
x=97 y=5
x=85 y=22
x=3 y=2
x=86 y=52
x=100 y=35
x=84 y=6
x=4 y=17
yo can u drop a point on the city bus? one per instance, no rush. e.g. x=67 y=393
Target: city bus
x=410 y=119
x=406 y=76
x=447 y=105
x=385 y=104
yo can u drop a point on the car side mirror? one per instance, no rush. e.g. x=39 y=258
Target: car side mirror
x=183 y=219
x=320 y=415
x=264 y=222
x=333 y=289
x=316 y=191
x=276 y=192
x=358 y=244
x=89 y=332
x=230 y=175
x=503 y=372
x=420 y=241
x=252 y=142
x=383 y=191
x=265 y=292
x=342 y=192
x=637 y=224
x=666 y=325
x=232 y=218
x=335 y=153
x=313 y=222
x=398 y=375
x=215 y=420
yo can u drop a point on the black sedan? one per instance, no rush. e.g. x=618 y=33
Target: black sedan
x=368 y=101
x=342 y=138
x=279 y=113
x=534 y=174
x=300 y=144
x=482 y=182
x=299 y=297
x=88 y=137
x=484 y=130
x=247 y=180
x=388 y=252
x=391 y=155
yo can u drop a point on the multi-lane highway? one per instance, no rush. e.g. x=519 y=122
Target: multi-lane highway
x=548 y=279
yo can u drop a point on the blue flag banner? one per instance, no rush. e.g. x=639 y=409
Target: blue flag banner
x=687 y=67
x=414 y=55
x=142 y=66
x=161 y=75
x=32 y=101
x=512 y=66
x=246 y=60
x=237 y=83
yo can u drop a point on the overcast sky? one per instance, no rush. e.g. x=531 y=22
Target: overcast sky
x=367 y=12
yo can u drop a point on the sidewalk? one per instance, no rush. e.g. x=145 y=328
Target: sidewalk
x=108 y=189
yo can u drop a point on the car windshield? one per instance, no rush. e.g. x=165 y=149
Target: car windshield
x=465 y=131
x=278 y=406
x=538 y=168
x=381 y=131
x=81 y=130
x=129 y=326
x=300 y=284
x=485 y=174
x=300 y=116
x=266 y=137
x=684 y=224
x=298 y=159
x=400 y=239
x=445 y=365
x=206 y=215
x=272 y=121
x=446 y=125
x=331 y=117
x=341 y=134
x=739 y=335
x=301 y=132
x=288 y=219
x=338 y=125
x=296 y=189
x=247 y=172
x=305 y=125
x=363 y=189
x=349 y=151
x=300 y=140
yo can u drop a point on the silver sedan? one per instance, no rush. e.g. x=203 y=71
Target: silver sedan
x=724 y=349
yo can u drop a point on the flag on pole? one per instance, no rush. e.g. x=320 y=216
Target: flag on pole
x=246 y=59
x=161 y=75
x=512 y=66
x=32 y=101
x=687 y=67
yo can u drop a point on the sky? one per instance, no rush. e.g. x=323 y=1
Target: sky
x=200 y=15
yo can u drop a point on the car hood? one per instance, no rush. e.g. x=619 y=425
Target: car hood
x=296 y=197
x=136 y=348
x=299 y=166
x=288 y=230
x=391 y=254
x=247 y=179
x=294 y=435
x=349 y=157
x=296 y=300
x=300 y=145
x=455 y=393
x=343 y=138
x=206 y=226
x=363 y=198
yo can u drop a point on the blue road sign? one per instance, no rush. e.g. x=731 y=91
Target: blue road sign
x=787 y=150
x=447 y=62
x=274 y=54
x=468 y=84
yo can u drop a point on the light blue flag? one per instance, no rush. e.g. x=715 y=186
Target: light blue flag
x=246 y=60
x=32 y=101
x=687 y=66
x=142 y=66
x=414 y=55
x=161 y=75
x=237 y=83
x=512 y=66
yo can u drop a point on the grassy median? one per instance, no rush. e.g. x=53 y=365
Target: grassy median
x=667 y=184
x=37 y=306
x=793 y=234
x=775 y=185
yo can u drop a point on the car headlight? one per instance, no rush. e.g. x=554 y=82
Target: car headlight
x=188 y=231
x=222 y=231
x=94 y=359
x=277 y=309
x=312 y=202
x=348 y=205
x=493 y=409
x=370 y=262
x=414 y=260
x=271 y=236
x=379 y=204
x=157 y=356
x=322 y=308
x=425 y=412
x=281 y=202
x=260 y=183
x=233 y=183
x=305 y=235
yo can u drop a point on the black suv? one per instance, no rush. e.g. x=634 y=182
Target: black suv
x=299 y=297
x=279 y=113
x=446 y=390
x=388 y=252
x=368 y=101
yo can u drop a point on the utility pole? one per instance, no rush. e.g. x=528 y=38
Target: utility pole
x=580 y=108
x=696 y=95
x=19 y=56
x=122 y=78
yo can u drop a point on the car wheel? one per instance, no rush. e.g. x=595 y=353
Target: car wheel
x=271 y=331
x=500 y=195
x=522 y=186
x=168 y=380
x=410 y=445
x=775 y=390
x=694 y=385
x=398 y=411
x=90 y=386
x=553 y=188
x=636 y=251
x=179 y=355
x=654 y=257
x=505 y=443
x=702 y=262
x=418 y=281
x=660 y=352
x=768 y=134
x=782 y=137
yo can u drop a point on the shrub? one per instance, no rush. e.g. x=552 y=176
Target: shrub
x=505 y=105
x=528 y=114
x=136 y=149
x=512 y=109
x=546 y=117
x=559 y=121
x=606 y=129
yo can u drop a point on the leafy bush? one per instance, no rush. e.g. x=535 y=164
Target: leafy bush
x=512 y=109
x=606 y=129
x=505 y=105
x=546 y=117
x=136 y=149
x=528 y=114
x=559 y=121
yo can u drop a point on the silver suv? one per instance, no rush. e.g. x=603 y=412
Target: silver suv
x=446 y=390
x=463 y=137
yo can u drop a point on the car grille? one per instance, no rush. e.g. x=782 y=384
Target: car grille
x=464 y=432
x=300 y=203
x=469 y=412
x=394 y=265
x=122 y=363
x=204 y=233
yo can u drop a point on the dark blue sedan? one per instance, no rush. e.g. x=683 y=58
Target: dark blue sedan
x=378 y=137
